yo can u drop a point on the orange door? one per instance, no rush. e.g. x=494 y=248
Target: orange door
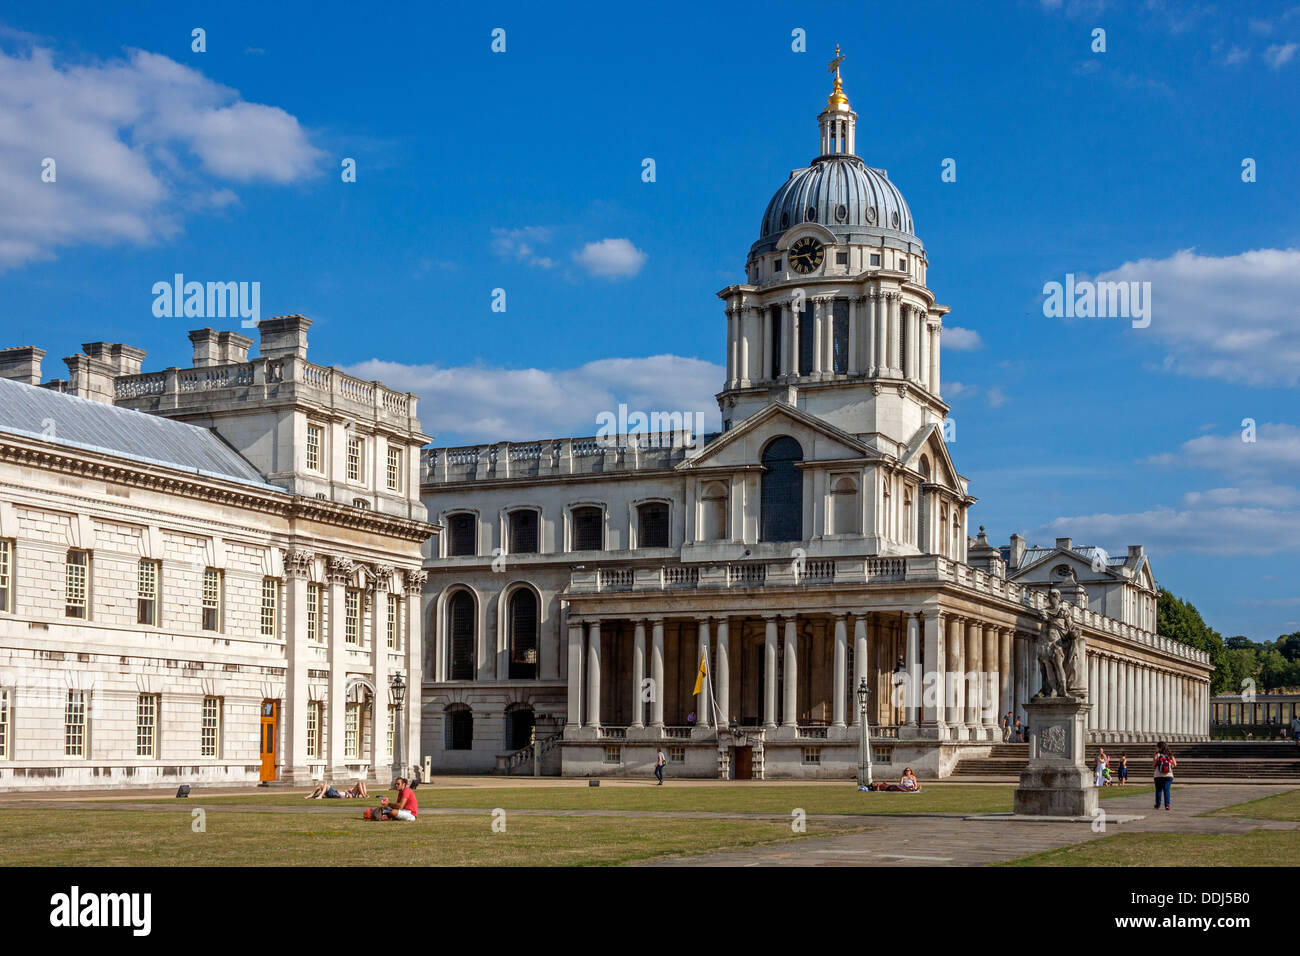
x=270 y=733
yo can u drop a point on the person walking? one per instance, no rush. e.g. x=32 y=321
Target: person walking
x=1164 y=763
x=1123 y=769
x=660 y=760
x=1019 y=736
x=1006 y=728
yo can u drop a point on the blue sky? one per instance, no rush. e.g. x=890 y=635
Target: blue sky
x=522 y=171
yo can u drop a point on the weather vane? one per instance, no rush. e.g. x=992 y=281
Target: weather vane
x=834 y=65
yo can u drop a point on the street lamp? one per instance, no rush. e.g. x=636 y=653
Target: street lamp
x=864 y=748
x=397 y=693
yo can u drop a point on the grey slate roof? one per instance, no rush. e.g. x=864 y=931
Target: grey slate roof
x=72 y=422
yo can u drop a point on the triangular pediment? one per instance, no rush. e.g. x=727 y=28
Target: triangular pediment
x=743 y=445
x=1043 y=569
x=928 y=443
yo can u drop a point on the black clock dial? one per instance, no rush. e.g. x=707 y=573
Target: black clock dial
x=806 y=254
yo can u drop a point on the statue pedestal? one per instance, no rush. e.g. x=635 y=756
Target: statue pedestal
x=1057 y=782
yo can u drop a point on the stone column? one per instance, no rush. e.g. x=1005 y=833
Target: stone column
x=769 y=672
x=575 y=687
x=934 y=713
x=1006 y=675
x=912 y=650
x=657 y=672
x=340 y=571
x=704 y=705
x=733 y=320
x=297 y=566
x=1019 y=649
x=955 y=689
x=1103 y=695
x=989 y=683
x=972 y=683
x=789 y=693
x=819 y=338
x=747 y=330
x=880 y=325
x=895 y=340
x=765 y=346
x=841 y=674
x=860 y=661
x=1094 y=692
x=413 y=582
x=638 y=675
x=377 y=594
x=593 y=674
x=722 y=680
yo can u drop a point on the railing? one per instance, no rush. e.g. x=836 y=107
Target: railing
x=886 y=569
x=681 y=576
x=889 y=731
x=613 y=733
x=750 y=575
x=810 y=733
x=677 y=733
x=133 y=386
x=524 y=755
x=616 y=579
x=817 y=572
x=564 y=456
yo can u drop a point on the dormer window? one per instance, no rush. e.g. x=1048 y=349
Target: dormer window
x=776 y=267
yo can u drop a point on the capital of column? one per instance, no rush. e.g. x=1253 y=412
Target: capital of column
x=341 y=569
x=297 y=563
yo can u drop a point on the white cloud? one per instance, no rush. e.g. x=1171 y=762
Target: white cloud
x=994 y=395
x=483 y=403
x=137 y=143
x=519 y=244
x=1218 y=530
x=611 y=258
x=1265 y=495
x=1279 y=54
x=1274 y=452
x=1229 y=317
x=1236 y=54
x=961 y=340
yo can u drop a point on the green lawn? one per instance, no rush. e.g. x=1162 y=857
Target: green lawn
x=1257 y=848
x=161 y=838
x=1282 y=806
x=725 y=798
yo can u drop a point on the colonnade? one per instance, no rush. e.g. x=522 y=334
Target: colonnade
x=1134 y=699
x=886 y=336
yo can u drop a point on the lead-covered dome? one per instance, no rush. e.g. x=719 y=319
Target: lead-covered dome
x=845 y=195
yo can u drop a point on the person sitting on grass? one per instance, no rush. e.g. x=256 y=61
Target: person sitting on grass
x=326 y=791
x=907 y=784
x=406 y=809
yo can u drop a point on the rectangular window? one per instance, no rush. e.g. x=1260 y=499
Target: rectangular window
x=394 y=468
x=6 y=721
x=805 y=320
x=210 y=744
x=211 y=599
x=6 y=575
x=76 y=584
x=394 y=615
x=313 y=612
x=354 y=458
x=812 y=754
x=315 y=441
x=352 y=731
x=523 y=531
x=614 y=754
x=270 y=607
x=588 y=529
x=677 y=755
x=840 y=335
x=774 y=346
x=841 y=258
x=351 y=616
x=314 y=710
x=146 y=725
x=875 y=258
x=902 y=263
x=776 y=267
x=74 y=724
x=146 y=600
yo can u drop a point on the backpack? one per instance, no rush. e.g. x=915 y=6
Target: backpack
x=1164 y=765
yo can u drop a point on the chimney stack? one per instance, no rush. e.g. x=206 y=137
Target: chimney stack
x=219 y=348
x=22 y=364
x=122 y=359
x=1065 y=544
x=1017 y=549
x=283 y=336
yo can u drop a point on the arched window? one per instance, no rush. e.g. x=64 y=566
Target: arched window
x=462 y=534
x=519 y=726
x=887 y=524
x=909 y=528
x=807 y=339
x=943 y=530
x=844 y=506
x=588 y=529
x=523 y=635
x=458 y=727
x=652 y=525
x=924 y=468
x=715 y=511
x=840 y=337
x=461 y=636
x=523 y=531
x=782 y=495
x=956 y=535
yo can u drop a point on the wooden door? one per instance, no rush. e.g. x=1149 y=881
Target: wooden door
x=744 y=763
x=269 y=736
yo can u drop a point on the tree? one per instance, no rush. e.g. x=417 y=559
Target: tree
x=1180 y=620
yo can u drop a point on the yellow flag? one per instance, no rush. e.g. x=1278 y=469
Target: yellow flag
x=699 y=679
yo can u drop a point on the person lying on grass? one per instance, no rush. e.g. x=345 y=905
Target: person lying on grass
x=906 y=784
x=327 y=792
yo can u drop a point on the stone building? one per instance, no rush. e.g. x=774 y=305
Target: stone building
x=822 y=540
x=209 y=574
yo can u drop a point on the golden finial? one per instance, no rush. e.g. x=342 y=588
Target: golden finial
x=837 y=100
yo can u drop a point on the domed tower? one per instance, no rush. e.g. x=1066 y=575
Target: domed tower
x=835 y=317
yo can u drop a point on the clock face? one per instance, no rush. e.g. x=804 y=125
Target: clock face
x=806 y=255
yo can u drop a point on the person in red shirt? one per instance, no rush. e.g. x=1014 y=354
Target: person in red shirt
x=407 y=808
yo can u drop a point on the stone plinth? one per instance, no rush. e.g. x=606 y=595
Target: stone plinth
x=1057 y=782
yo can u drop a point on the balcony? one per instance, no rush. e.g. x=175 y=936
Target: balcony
x=553 y=456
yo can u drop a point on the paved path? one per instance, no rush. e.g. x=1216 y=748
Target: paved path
x=952 y=840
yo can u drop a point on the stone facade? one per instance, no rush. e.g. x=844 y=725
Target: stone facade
x=162 y=583
x=820 y=541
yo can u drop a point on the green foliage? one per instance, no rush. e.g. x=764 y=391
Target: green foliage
x=1273 y=665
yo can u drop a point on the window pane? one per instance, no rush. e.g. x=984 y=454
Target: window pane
x=653 y=525
x=461 y=531
x=523 y=635
x=461 y=612
x=588 y=530
x=782 y=496
x=523 y=532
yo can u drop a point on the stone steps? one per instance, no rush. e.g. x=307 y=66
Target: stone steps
x=1252 y=760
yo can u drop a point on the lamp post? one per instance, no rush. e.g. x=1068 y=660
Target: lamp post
x=397 y=693
x=864 y=748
